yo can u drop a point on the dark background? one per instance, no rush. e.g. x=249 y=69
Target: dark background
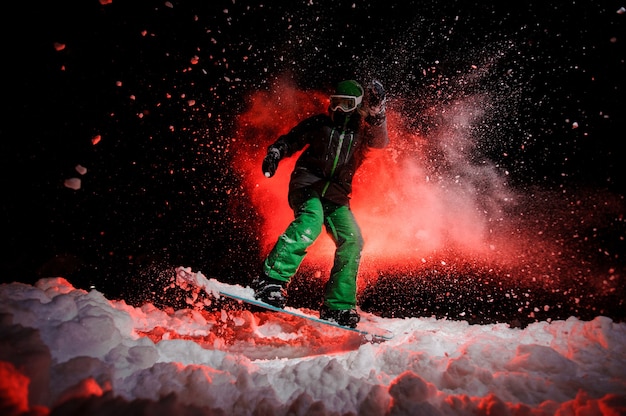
x=160 y=190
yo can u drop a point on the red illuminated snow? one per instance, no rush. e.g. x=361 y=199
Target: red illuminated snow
x=75 y=353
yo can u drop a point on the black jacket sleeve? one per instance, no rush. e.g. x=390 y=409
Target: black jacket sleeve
x=376 y=134
x=297 y=138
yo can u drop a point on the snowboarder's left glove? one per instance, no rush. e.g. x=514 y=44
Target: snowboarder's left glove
x=376 y=100
x=270 y=162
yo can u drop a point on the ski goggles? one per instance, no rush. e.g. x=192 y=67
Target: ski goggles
x=345 y=103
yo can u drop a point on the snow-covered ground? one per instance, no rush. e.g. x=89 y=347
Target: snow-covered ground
x=67 y=351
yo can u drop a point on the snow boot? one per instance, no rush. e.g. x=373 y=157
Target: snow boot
x=344 y=317
x=270 y=291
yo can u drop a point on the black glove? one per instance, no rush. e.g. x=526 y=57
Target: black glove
x=376 y=98
x=270 y=162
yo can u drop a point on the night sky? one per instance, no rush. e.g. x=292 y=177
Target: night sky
x=147 y=97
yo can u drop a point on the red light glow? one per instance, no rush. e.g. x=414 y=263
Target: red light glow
x=421 y=201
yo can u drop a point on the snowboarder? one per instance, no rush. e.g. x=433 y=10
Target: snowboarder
x=319 y=194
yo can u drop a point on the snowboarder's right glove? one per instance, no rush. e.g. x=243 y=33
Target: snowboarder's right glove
x=270 y=162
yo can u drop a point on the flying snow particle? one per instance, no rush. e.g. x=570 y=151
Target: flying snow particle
x=72 y=183
x=80 y=169
x=621 y=10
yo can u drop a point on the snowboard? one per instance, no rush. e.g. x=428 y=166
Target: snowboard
x=184 y=276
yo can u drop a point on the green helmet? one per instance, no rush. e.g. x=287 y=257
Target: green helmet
x=347 y=97
x=349 y=87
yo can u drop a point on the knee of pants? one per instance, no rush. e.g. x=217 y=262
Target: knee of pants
x=309 y=226
x=354 y=242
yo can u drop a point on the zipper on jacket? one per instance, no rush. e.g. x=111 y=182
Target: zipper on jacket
x=349 y=147
x=339 y=145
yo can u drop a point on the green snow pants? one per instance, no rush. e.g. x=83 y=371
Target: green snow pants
x=311 y=212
